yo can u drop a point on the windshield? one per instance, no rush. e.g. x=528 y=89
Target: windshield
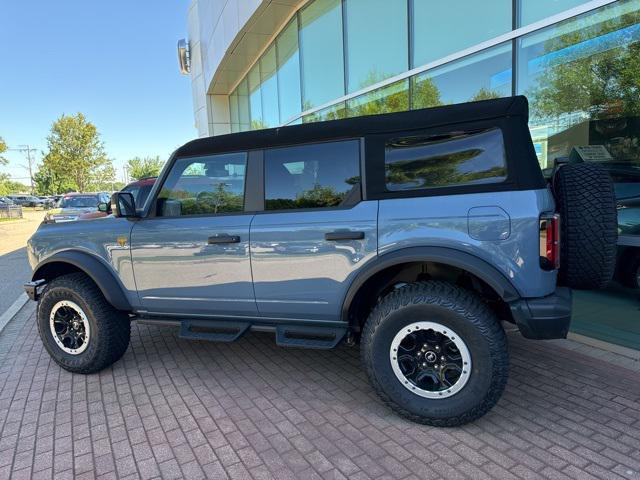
x=79 y=201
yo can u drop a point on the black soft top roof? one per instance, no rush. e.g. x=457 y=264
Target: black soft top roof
x=359 y=126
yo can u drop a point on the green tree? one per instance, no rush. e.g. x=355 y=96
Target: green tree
x=76 y=155
x=3 y=148
x=8 y=186
x=602 y=84
x=144 y=167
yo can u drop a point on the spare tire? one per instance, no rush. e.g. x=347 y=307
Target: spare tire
x=588 y=225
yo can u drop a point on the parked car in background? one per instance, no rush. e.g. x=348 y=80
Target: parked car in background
x=6 y=201
x=48 y=202
x=139 y=189
x=26 y=200
x=73 y=205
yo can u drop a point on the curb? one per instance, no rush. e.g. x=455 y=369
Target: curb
x=11 y=312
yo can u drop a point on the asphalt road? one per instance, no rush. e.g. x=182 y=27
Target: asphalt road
x=14 y=267
x=15 y=270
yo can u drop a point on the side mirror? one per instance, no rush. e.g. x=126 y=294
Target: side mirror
x=104 y=207
x=123 y=204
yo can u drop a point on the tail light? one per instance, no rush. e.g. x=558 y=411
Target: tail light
x=550 y=241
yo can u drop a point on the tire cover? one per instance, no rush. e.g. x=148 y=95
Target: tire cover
x=586 y=202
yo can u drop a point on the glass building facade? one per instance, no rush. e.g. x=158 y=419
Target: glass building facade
x=577 y=61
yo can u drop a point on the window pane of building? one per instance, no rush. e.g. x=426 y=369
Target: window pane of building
x=392 y=98
x=530 y=11
x=442 y=28
x=312 y=176
x=269 y=87
x=377 y=40
x=289 y=72
x=233 y=111
x=481 y=76
x=334 y=112
x=321 y=49
x=204 y=185
x=244 y=117
x=255 y=97
x=582 y=79
x=464 y=159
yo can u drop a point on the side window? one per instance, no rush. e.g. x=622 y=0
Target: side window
x=204 y=185
x=462 y=158
x=312 y=176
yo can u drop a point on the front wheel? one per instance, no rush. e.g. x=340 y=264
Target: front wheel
x=435 y=354
x=81 y=331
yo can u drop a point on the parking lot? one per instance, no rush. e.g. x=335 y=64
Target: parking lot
x=173 y=408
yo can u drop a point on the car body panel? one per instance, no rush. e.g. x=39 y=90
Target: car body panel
x=177 y=271
x=445 y=222
x=107 y=241
x=297 y=273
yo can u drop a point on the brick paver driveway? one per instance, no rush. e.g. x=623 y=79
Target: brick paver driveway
x=175 y=408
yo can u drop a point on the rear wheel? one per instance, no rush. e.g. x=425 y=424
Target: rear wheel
x=435 y=354
x=81 y=331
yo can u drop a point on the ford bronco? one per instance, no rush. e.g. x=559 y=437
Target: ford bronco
x=413 y=235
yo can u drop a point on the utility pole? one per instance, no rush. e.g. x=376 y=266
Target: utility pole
x=27 y=149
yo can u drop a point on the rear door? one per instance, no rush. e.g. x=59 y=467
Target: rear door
x=315 y=231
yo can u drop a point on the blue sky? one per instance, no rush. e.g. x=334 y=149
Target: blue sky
x=114 y=61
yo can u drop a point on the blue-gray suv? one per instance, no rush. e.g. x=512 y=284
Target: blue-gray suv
x=413 y=235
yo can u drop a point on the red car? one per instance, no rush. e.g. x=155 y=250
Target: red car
x=140 y=190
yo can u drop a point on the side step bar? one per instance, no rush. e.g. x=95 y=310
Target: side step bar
x=309 y=336
x=218 y=331
x=287 y=335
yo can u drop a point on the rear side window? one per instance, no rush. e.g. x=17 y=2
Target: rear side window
x=465 y=158
x=312 y=176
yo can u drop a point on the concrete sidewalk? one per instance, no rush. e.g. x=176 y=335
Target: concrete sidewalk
x=173 y=408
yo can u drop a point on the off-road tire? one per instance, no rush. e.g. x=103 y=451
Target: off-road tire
x=588 y=225
x=110 y=328
x=453 y=307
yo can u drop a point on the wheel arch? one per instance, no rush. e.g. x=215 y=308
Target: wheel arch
x=69 y=261
x=448 y=257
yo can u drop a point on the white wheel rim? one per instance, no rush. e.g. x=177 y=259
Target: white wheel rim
x=430 y=359
x=69 y=327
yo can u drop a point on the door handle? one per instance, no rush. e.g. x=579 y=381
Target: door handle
x=343 y=235
x=217 y=239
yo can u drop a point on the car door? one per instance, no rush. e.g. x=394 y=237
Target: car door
x=315 y=231
x=191 y=253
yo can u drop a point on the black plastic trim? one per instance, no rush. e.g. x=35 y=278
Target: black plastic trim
x=95 y=269
x=447 y=256
x=546 y=317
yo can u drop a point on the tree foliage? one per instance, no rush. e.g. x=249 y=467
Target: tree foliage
x=75 y=159
x=8 y=186
x=144 y=167
x=601 y=84
x=3 y=148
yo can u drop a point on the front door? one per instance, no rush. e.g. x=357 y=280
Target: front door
x=315 y=231
x=191 y=255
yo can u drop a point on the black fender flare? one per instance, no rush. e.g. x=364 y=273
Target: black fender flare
x=447 y=256
x=108 y=284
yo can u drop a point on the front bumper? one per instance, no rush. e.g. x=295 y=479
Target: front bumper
x=32 y=289
x=545 y=317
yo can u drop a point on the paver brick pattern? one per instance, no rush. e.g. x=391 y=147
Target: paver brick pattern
x=173 y=408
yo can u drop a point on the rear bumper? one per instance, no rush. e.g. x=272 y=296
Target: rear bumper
x=545 y=317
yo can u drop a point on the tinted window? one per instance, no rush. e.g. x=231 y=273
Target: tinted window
x=80 y=201
x=312 y=176
x=457 y=159
x=204 y=185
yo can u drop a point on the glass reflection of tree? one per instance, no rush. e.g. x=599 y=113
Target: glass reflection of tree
x=439 y=170
x=316 y=197
x=601 y=85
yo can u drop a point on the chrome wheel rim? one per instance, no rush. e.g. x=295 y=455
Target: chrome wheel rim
x=69 y=327
x=430 y=360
